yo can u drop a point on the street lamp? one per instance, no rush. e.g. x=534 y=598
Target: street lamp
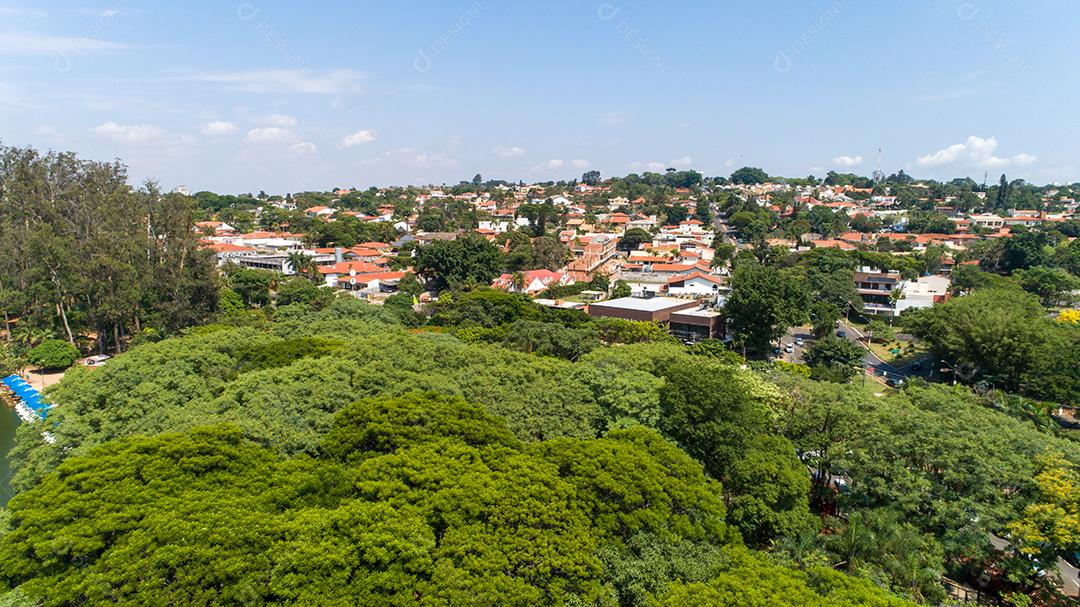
x=954 y=371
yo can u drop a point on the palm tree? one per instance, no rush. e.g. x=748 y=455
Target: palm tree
x=303 y=264
x=30 y=336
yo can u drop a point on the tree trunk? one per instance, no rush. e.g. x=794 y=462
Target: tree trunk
x=67 y=327
x=116 y=337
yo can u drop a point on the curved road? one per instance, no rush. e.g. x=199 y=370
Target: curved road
x=881 y=369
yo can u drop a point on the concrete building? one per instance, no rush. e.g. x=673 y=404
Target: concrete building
x=923 y=292
x=692 y=326
x=876 y=289
x=655 y=309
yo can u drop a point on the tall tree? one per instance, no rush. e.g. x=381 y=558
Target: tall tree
x=765 y=301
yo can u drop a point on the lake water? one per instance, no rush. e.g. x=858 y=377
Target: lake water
x=8 y=422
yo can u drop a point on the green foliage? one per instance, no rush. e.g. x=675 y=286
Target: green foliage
x=452 y=262
x=10 y=361
x=765 y=301
x=839 y=356
x=749 y=581
x=1053 y=286
x=749 y=176
x=281 y=386
x=713 y=415
x=879 y=545
x=380 y=426
x=87 y=254
x=622 y=289
x=937 y=459
x=824 y=316
x=1004 y=337
x=306 y=499
x=421 y=495
x=1025 y=250
x=718 y=350
x=53 y=354
x=302 y=291
x=253 y=286
x=633 y=238
x=634 y=481
x=230 y=303
x=880 y=332
x=253 y=356
x=930 y=222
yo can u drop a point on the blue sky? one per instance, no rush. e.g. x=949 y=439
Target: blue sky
x=238 y=97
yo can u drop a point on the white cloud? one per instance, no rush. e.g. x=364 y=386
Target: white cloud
x=105 y=13
x=508 y=152
x=975 y=152
x=360 y=138
x=305 y=147
x=646 y=166
x=580 y=163
x=35 y=44
x=22 y=12
x=281 y=120
x=331 y=82
x=411 y=157
x=847 y=161
x=614 y=118
x=143 y=134
x=659 y=167
x=218 y=127
x=270 y=134
x=550 y=165
x=130 y=133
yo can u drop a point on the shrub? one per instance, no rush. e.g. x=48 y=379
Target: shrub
x=54 y=354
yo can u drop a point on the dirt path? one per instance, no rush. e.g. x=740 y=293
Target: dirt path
x=42 y=380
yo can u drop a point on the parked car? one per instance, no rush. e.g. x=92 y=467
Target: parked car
x=841 y=334
x=798 y=341
x=789 y=348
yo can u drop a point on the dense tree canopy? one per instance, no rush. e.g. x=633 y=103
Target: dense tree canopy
x=209 y=518
x=765 y=301
x=459 y=261
x=1004 y=337
x=85 y=254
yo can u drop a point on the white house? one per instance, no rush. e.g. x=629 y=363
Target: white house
x=532 y=281
x=695 y=284
x=923 y=292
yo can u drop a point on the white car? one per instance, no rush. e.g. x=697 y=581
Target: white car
x=799 y=341
x=789 y=348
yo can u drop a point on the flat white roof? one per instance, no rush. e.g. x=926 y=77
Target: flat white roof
x=701 y=313
x=653 y=304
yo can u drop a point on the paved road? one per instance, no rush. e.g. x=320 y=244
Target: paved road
x=874 y=365
x=881 y=368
